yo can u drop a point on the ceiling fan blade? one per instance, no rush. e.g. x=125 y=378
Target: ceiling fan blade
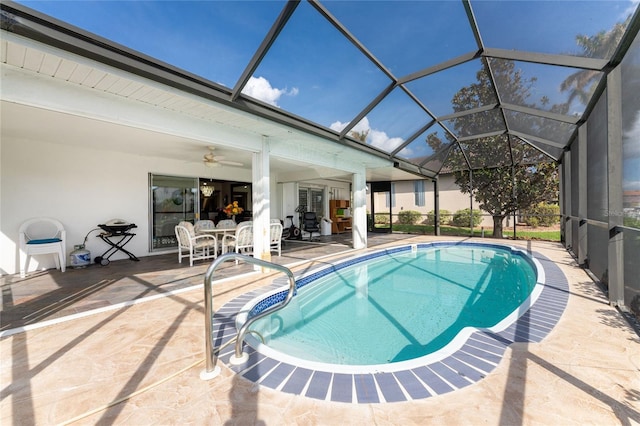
x=231 y=163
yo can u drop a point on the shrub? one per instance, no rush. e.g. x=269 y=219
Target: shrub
x=542 y=214
x=461 y=218
x=382 y=219
x=533 y=221
x=631 y=222
x=409 y=217
x=445 y=217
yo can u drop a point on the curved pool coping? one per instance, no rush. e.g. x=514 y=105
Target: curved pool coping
x=471 y=361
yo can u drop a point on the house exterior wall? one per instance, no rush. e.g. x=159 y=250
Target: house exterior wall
x=84 y=185
x=451 y=199
x=82 y=188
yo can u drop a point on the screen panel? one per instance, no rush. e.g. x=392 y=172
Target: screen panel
x=597 y=182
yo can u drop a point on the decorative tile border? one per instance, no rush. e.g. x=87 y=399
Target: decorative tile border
x=477 y=357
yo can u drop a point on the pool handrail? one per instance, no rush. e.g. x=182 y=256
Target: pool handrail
x=208 y=306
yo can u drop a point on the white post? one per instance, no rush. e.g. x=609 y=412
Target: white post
x=359 y=210
x=261 y=202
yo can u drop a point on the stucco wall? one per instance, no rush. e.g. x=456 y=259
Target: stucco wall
x=82 y=188
x=451 y=198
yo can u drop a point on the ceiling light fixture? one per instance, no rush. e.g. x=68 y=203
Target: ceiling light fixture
x=206 y=190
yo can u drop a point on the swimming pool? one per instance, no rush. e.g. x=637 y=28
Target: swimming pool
x=398 y=305
x=395 y=308
x=473 y=354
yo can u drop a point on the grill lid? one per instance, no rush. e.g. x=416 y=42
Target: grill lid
x=116 y=222
x=117 y=226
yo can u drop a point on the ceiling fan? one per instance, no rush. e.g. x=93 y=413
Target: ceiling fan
x=211 y=160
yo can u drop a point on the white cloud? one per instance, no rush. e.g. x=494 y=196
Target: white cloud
x=261 y=89
x=381 y=140
x=362 y=126
x=630 y=10
x=376 y=138
x=406 y=152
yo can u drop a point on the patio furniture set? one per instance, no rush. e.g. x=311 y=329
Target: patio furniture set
x=205 y=240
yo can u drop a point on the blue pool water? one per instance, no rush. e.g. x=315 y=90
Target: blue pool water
x=400 y=304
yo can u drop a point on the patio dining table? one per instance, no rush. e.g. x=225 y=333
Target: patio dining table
x=219 y=234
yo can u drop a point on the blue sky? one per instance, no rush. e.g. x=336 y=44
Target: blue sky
x=313 y=72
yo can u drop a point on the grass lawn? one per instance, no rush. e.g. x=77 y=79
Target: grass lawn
x=522 y=232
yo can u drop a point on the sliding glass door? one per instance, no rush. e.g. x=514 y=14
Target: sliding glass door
x=382 y=202
x=172 y=199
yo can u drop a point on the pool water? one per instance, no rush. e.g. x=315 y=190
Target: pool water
x=401 y=305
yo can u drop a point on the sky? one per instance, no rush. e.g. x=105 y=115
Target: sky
x=314 y=72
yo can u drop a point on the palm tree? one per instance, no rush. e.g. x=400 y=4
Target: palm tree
x=581 y=84
x=359 y=136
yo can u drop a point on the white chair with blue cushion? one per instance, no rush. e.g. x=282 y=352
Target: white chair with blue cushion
x=42 y=235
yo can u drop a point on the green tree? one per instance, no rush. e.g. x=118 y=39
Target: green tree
x=581 y=84
x=359 y=136
x=499 y=187
x=494 y=189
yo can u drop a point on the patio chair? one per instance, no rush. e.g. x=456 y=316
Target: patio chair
x=275 y=233
x=203 y=224
x=227 y=224
x=42 y=235
x=241 y=241
x=196 y=247
x=310 y=224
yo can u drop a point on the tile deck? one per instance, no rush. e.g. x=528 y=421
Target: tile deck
x=140 y=363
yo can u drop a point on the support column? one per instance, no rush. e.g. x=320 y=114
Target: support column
x=261 y=202
x=471 y=202
x=436 y=208
x=565 y=207
x=614 y=172
x=582 y=249
x=514 y=196
x=359 y=210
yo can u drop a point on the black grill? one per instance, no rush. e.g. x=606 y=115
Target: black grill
x=117 y=229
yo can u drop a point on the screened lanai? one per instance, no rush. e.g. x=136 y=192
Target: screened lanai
x=386 y=76
x=433 y=86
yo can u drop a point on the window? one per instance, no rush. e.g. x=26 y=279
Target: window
x=391 y=196
x=418 y=189
x=312 y=199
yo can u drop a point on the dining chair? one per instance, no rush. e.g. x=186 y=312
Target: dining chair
x=275 y=236
x=241 y=241
x=195 y=247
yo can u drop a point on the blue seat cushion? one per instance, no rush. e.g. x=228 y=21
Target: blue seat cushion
x=45 y=241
